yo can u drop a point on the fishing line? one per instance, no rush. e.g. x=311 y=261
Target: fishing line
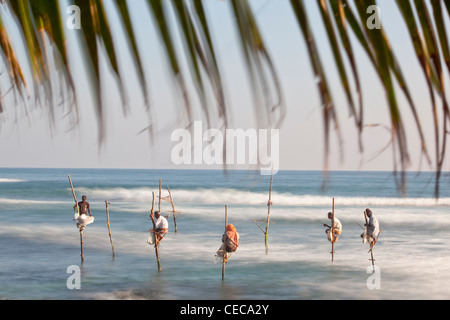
x=354 y=221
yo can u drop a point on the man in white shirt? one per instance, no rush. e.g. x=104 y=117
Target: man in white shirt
x=373 y=228
x=161 y=227
x=337 y=229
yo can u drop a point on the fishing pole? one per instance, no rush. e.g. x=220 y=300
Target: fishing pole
x=353 y=220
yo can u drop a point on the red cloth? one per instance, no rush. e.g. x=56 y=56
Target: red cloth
x=232 y=234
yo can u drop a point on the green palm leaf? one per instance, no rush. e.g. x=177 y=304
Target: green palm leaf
x=258 y=59
x=211 y=64
x=15 y=72
x=88 y=39
x=426 y=50
x=192 y=51
x=159 y=15
x=39 y=23
x=104 y=33
x=35 y=55
x=126 y=20
x=328 y=108
x=323 y=6
x=341 y=23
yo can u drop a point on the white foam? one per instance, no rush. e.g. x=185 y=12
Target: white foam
x=242 y=197
x=28 y=202
x=5 y=180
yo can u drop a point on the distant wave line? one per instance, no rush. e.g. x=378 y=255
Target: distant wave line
x=26 y=201
x=6 y=180
x=232 y=196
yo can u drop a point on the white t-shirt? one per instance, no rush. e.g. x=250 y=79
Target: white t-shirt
x=161 y=223
x=374 y=226
x=337 y=225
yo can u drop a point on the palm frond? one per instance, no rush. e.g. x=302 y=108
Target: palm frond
x=176 y=22
x=257 y=61
x=328 y=107
x=211 y=63
x=126 y=20
x=427 y=53
x=159 y=14
x=341 y=23
x=15 y=72
x=332 y=37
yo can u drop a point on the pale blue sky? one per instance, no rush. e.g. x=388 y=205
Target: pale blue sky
x=30 y=143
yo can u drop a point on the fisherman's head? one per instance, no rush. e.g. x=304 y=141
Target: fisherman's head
x=330 y=215
x=83 y=198
x=157 y=214
x=368 y=212
x=231 y=228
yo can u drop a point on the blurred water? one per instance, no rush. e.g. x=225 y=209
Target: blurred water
x=40 y=240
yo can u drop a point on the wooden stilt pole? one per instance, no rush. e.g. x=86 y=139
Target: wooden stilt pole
x=78 y=212
x=369 y=237
x=159 y=205
x=73 y=193
x=269 y=204
x=109 y=229
x=332 y=234
x=154 y=230
x=224 y=251
x=173 y=210
x=81 y=244
x=372 y=244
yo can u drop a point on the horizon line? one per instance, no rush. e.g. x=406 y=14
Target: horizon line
x=216 y=169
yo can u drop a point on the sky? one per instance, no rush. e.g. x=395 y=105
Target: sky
x=28 y=141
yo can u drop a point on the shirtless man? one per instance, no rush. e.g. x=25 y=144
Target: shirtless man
x=84 y=207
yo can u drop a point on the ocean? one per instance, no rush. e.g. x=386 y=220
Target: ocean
x=40 y=243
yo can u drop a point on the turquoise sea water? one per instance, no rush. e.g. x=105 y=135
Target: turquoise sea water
x=40 y=241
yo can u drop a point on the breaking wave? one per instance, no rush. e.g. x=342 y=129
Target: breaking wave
x=28 y=202
x=220 y=196
x=5 y=180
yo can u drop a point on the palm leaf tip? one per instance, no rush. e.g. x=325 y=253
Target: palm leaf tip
x=39 y=23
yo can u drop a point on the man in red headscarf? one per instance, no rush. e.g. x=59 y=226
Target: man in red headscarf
x=230 y=241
